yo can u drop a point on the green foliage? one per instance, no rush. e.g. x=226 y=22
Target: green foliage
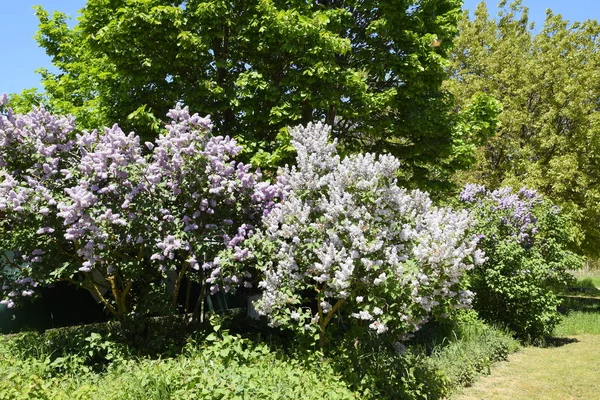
x=153 y=337
x=59 y=364
x=548 y=136
x=80 y=355
x=443 y=356
x=378 y=370
x=371 y=69
x=477 y=123
x=224 y=367
x=22 y=103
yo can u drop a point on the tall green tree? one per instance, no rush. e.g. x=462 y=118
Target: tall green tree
x=371 y=69
x=549 y=133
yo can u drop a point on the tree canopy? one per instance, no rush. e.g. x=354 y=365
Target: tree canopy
x=373 y=70
x=549 y=134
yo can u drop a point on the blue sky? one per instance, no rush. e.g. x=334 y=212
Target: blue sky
x=572 y=10
x=21 y=56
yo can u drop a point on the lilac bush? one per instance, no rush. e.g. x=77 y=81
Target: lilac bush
x=526 y=241
x=129 y=222
x=348 y=242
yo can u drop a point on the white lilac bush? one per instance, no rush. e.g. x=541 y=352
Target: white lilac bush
x=526 y=239
x=128 y=222
x=348 y=241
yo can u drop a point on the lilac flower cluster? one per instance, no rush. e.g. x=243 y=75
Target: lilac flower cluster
x=515 y=209
x=22 y=286
x=102 y=213
x=355 y=243
x=213 y=200
x=34 y=149
x=471 y=191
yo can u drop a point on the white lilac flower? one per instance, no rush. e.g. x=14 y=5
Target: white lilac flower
x=378 y=327
x=325 y=235
x=325 y=306
x=380 y=279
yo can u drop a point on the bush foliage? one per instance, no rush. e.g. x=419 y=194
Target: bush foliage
x=525 y=239
x=130 y=225
x=337 y=250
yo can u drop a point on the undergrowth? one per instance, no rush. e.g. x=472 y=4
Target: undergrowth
x=97 y=362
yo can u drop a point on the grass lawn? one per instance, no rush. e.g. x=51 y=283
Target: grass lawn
x=567 y=368
x=589 y=278
x=569 y=371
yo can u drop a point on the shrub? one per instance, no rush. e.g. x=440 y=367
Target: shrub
x=348 y=242
x=525 y=239
x=379 y=369
x=130 y=225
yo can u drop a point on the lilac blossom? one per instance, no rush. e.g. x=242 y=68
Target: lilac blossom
x=471 y=191
x=108 y=212
x=515 y=209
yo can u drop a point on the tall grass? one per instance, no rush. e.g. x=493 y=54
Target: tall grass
x=478 y=348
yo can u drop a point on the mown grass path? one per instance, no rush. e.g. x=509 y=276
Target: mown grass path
x=569 y=368
x=568 y=371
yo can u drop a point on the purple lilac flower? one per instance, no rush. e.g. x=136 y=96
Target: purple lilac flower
x=470 y=192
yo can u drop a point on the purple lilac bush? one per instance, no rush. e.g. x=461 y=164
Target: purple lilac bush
x=127 y=221
x=526 y=240
x=347 y=243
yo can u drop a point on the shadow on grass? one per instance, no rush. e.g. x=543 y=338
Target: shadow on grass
x=552 y=342
x=585 y=287
x=585 y=304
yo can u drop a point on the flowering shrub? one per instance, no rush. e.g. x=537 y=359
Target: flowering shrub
x=348 y=241
x=130 y=225
x=525 y=239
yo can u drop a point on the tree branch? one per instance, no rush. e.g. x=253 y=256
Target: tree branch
x=178 y=282
x=110 y=308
